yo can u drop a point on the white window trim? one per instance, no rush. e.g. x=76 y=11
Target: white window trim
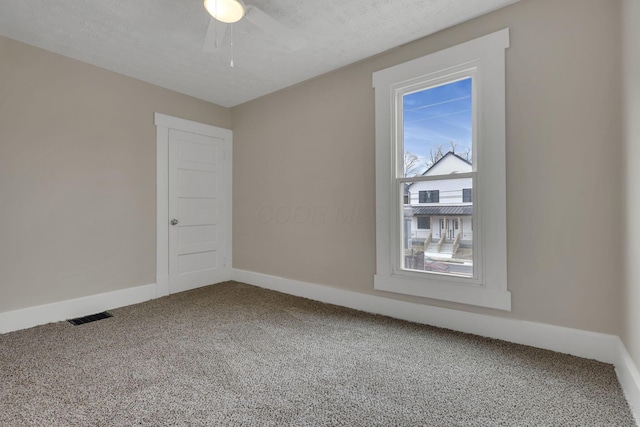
x=484 y=58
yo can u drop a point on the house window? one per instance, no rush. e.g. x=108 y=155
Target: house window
x=458 y=95
x=466 y=195
x=424 y=223
x=432 y=196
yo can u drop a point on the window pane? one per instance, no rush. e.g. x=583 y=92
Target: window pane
x=436 y=121
x=437 y=237
x=466 y=195
x=424 y=222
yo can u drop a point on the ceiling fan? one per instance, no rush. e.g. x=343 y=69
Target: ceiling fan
x=225 y=12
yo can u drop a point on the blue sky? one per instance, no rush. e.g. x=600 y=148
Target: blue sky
x=437 y=115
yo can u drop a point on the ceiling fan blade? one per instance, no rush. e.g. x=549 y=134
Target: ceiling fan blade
x=215 y=35
x=281 y=34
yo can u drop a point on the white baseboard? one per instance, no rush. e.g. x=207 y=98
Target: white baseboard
x=629 y=378
x=590 y=345
x=69 y=309
x=586 y=344
x=47 y=313
x=162 y=286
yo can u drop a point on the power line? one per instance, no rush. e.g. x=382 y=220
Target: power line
x=437 y=117
x=437 y=103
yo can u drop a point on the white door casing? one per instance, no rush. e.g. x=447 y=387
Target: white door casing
x=194 y=188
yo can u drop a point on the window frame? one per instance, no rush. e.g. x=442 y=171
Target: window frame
x=484 y=60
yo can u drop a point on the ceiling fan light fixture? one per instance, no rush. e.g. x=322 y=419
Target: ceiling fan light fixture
x=228 y=11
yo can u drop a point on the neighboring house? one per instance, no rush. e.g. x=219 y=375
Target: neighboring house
x=442 y=209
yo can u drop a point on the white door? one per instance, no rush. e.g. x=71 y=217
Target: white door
x=196 y=234
x=452 y=226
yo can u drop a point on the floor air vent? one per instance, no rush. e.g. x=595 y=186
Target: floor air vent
x=91 y=318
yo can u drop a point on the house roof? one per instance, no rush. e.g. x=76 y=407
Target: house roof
x=442 y=210
x=441 y=159
x=444 y=157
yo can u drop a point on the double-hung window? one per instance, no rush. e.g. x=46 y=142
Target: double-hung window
x=447 y=110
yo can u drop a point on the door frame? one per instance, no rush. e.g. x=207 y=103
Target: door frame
x=163 y=124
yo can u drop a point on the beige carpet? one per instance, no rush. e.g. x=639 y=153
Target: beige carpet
x=236 y=355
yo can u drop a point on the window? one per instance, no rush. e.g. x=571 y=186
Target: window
x=457 y=94
x=424 y=223
x=466 y=195
x=432 y=196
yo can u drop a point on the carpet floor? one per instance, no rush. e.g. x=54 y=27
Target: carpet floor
x=236 y=355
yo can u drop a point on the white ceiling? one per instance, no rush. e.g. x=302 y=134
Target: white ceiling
x=160 y=41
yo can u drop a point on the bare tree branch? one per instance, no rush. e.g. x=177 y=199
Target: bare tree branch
x=435 y=154
x=411 y=164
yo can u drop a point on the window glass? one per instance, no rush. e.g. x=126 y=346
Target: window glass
x=432 y=196
x=424 y=222
x=466 y=195
x=437 y=120
x=447 y=246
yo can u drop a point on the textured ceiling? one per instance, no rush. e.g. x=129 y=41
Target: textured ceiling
x=160 y=41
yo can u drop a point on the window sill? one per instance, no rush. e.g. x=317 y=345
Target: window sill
x=465 y=294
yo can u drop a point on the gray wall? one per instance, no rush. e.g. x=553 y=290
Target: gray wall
x=77 y=176
x=631 y=127
x=307 y=153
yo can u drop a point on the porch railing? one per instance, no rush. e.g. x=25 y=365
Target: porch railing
x=427 y=241
x=442 y=239
x=456 y=243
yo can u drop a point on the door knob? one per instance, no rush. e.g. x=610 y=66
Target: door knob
x=174 y=222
